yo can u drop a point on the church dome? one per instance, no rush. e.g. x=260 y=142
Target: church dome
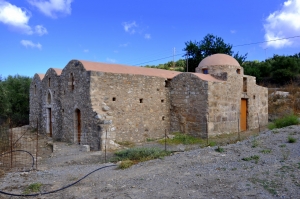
x=218 y=60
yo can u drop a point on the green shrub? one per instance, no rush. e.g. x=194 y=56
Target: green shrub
x=291 y=139
x=265 y=151
x=125 y=164
x=35 y=187
x=285 y=121
x=253 y=157
x=219 y=149
x=212 y=143
x=185 y=139
x=140 y=154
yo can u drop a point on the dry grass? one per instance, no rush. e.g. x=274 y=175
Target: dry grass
x=280 y=106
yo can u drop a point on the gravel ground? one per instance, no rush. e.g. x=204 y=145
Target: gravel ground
x=200 y=173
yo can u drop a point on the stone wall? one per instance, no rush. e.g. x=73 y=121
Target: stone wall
x=188 y=96
x=35 y=103
x=50 y=99
x=75 y=96
x=135 y=107
x=257 y=103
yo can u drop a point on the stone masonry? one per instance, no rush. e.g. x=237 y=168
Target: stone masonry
x=99 y=104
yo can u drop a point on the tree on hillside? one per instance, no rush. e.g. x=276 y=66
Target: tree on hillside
x=14 y=99
x=211 y=44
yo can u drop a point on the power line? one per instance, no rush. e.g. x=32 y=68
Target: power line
x=266 y=41
x=232 y=46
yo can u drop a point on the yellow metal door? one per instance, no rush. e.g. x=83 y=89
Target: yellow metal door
x=243 y=117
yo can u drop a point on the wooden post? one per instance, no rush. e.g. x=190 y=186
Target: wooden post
x=258 y=123
x=207 y=132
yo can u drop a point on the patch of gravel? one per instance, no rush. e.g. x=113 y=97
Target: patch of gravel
x=200 y=173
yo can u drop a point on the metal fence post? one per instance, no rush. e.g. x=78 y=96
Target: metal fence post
x=105 y=145
x=165 y=139
x=258 y=123
x=37 y=143
x=239 y=136
x=11 y=144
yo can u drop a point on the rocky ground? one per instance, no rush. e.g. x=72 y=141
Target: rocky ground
x=264 y=166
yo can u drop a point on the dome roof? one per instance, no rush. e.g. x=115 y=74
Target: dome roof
x=219 y=60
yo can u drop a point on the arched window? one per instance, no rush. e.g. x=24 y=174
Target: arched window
x=49 y=98
x=71 y=82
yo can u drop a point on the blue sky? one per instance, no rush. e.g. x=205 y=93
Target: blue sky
x=39 y=34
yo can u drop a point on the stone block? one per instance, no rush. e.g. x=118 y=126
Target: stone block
x=85 y=148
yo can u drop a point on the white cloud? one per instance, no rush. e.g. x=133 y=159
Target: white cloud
x=15 y=17
x=124 y=45
x=18 y=19
x=130 y=27
x=111 y=60
x=40 y=30
x=232 y=31
x=52 y=7
x=28 y=43
x=147 y=36
x=86 y=50
x=283 y=23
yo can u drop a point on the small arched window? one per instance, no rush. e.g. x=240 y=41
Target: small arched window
x=71 y=81
x=49 y=98
x=35 y=89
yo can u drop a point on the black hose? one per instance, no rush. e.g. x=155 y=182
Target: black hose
x=54 y=191
x=24 y=152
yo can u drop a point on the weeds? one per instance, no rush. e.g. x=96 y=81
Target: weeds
x=150 y=139
x=291 y=139
x=282 y=145
x=185 y=139
x=284 y=121
x=285 y=155
x=35 y=187
x=270 y=186
x=265 y=151
x=126 y=144
x=212 y=143
x=219 y=149
x=125 y=164
x=253 y=157
x=135 y=155
x=255 y=143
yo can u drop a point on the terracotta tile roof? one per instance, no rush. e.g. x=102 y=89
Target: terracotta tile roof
x=207 y=77
x=57 y=70
x=41 y=76
x=118 y=68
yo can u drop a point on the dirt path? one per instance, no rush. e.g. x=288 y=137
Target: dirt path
x=265 y=166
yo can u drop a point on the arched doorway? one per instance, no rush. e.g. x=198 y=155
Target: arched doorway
x=49 y=114
x=78 y=125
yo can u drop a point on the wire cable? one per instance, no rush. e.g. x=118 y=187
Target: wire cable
x=297 y=36
x=54 y=191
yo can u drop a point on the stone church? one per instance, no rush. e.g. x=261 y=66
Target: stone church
x=91 y=103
